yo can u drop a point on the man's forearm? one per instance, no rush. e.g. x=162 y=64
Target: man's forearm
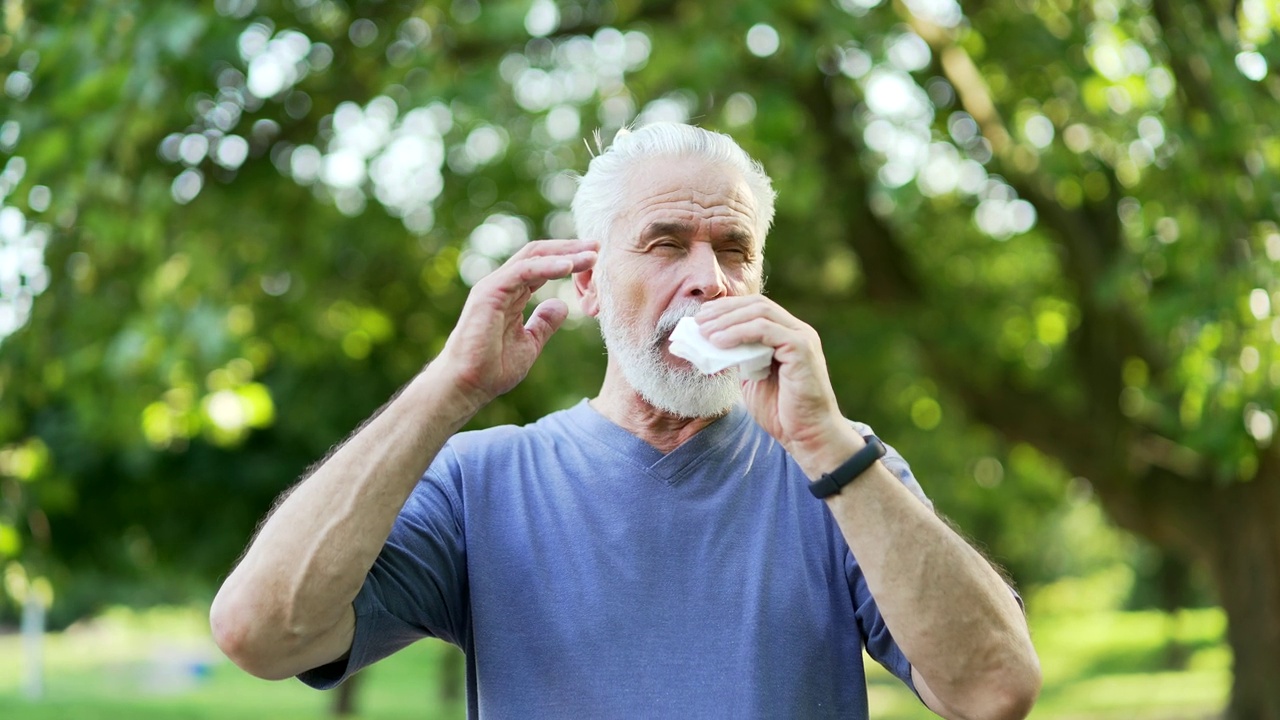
x=950 y=612
x=287 y=606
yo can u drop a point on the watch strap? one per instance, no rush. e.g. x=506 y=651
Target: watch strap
x=834 y=481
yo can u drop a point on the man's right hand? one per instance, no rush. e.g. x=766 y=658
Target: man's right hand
x=287 y=607
x=492 y=347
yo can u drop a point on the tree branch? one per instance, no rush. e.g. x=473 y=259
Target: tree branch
x=889 y=274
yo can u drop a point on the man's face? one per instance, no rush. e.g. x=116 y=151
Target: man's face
x=686 y=236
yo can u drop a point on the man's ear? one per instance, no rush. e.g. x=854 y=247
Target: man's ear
x=584 y=283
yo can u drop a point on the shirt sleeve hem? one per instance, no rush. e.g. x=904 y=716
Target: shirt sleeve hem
x=332 y=674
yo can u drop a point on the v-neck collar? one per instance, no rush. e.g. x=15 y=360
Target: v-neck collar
x=669 y=467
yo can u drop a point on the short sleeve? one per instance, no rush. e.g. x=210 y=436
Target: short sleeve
x=417 y=586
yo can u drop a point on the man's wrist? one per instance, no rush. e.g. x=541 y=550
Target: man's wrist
x=825 y=452
x=858 y=464
x=448 y=399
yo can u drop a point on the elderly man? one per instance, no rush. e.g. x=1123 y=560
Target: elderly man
x=681 y=545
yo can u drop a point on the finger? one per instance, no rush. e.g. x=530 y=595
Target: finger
x=737 y=304
x=761 y=330
x=584 y=260
x=540 y=248
x=715 y=308
x=529 y=274
x=543 y=268
x=545 y=320
x=728 y=316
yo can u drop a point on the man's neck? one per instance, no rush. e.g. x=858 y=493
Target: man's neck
x=623 y=406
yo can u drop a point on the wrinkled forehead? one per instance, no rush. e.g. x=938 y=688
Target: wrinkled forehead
x=685 y=190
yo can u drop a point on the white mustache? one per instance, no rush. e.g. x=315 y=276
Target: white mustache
x=673 y=315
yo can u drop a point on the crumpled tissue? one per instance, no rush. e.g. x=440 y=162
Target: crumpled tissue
x=753 y=359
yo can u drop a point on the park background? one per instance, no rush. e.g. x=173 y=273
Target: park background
x=1038 y=237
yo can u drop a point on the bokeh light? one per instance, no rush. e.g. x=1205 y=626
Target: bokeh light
x=762 y=40
x=542 y=19
x=1252 y=65
x=23 y=273
x=490 y=244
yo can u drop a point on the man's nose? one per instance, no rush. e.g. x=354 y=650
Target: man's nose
x=706 y=280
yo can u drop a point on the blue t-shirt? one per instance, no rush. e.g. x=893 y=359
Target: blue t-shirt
x=587 y=575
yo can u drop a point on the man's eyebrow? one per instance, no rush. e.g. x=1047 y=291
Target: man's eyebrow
x=738 y=236
x=660 y=228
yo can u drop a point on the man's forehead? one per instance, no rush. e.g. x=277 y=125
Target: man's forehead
x=697 y=177
x=650 y=221
x=687 y=191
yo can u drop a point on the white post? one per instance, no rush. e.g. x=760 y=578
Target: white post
x=33 y=645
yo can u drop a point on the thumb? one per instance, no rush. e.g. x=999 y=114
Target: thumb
x=545 y=320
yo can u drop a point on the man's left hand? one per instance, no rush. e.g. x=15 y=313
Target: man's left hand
x=795 y=404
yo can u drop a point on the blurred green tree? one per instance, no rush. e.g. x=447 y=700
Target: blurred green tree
x=1039 y=238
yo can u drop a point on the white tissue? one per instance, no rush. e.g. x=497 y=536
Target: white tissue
x=753 y=359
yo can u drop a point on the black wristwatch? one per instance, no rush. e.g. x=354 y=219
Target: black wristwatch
x=832 y=482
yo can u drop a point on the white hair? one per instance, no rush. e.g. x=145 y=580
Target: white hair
x=601 y=191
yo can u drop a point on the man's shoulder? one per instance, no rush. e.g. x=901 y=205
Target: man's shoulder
x=552 y=428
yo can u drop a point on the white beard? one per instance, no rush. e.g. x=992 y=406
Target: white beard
x=681 y=391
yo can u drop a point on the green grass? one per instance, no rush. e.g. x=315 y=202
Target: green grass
x=161 y=665
x=1110 y=666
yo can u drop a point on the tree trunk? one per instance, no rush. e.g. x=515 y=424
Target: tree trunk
x=1172 y=580
x=452 y=676
x=1231 y=529
x=1245 y=562
x=344 y=697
